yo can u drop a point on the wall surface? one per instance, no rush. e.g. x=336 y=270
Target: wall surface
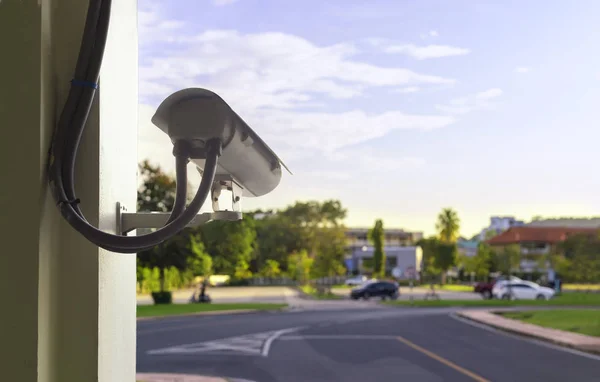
x=72 y=305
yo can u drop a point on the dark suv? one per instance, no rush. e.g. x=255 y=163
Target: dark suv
x=382 y=289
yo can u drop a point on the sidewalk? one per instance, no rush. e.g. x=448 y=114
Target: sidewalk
x=560 y=337
x=152 y=377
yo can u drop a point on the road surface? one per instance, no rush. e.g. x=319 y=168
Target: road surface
x=347 y=344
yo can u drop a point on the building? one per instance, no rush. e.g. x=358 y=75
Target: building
x=534 y=242
x=467 y=247
x=399 y=247
x=499 y=224
x=566 y=222
x=359 y=237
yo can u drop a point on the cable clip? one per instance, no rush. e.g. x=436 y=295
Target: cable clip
x=73 y=202
x=86 y=84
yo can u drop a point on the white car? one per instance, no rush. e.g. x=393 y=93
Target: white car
x=521 y=290
x=357 y=280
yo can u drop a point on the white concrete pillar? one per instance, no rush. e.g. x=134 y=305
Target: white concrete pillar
x=70 y=307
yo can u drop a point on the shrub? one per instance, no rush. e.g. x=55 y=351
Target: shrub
x=162 y=298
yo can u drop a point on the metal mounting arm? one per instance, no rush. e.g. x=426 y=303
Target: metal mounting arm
x=127 y=221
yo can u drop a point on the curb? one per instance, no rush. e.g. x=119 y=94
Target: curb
x=159 y=377
x=212 y=313
x=589 y=348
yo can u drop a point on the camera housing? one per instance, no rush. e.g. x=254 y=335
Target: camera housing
x=196 y=115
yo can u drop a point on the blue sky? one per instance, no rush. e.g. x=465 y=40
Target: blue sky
x=397 y=108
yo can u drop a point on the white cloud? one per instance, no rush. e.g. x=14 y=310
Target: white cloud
x=428 y=51
x=484 y=100
x=152 y=28
x=522 y=69
x=489 y=94
x=270 y=69
x=406 y=90
x=283 y=86
x=431 y=34
x=220 y=3
x=328 y=132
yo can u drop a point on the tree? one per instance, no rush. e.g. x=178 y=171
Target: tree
x=445 y=257
x=479 y=264
x=429 y=248
x=310 y=218
x=199 y=262
x=299 y=266
x=229 y=243
x=242 y=270
x=270 y=269
x=376 y=235
x=438 y=257
x=576 y=259
x=171 y=253
x=330 y=252
x=157 y=193
x=276 y=238
x=448 y=225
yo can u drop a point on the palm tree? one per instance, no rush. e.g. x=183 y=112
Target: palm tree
x=448 y=225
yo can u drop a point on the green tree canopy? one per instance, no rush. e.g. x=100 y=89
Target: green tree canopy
x=199 y=262
x=577 y=258
x=448 y=225
x=376 y=235
x=229 y=243
x=270 y=269
x=330 y=252
x=157 y=193
x=300 y=266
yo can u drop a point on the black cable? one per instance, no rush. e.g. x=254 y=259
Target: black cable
x=181 y=190
x=68 y=136
x=132 y=244
x=89 y=73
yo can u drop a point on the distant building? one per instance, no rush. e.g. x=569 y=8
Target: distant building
x=359 y=237
x=399 y=247
x=567 y=222
x=535 y=242
x=467 y=247
x=499 y=224
x=406 y=258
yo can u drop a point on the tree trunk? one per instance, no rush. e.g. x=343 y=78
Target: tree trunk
x=161 y=278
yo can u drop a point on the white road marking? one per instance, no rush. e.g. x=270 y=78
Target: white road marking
x=273 y=337
x=337 y=337
x=523 y=338
x=257 y=344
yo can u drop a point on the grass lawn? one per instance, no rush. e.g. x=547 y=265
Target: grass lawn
x=174 y=309
x=578 y=321
x=573 y=298
x=454 y=288
x=310 y=290
x=593 y=287
x=343 y=286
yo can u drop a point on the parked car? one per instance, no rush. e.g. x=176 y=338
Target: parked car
x=522 y=290
x=381 y=289
x=485 y=288
x=357 y=280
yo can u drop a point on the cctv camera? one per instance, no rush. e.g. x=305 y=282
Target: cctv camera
x=197 y=115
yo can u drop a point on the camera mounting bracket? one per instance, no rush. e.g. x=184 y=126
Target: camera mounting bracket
x=130 y=221
x=227 y=182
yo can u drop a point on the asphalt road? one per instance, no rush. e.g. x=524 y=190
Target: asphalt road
x=379 y=344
